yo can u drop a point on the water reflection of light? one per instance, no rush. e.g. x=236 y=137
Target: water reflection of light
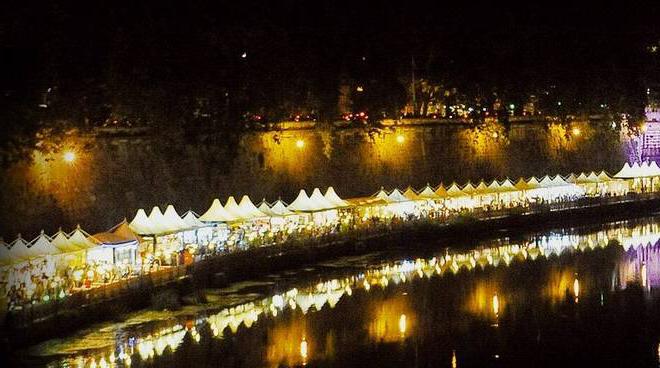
x=454 y=362
x=393 y=318
x=496 y=305
x=303 y=350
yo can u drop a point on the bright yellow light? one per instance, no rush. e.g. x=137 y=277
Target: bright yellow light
x=576 y=131
x=400 y=138
x=303 y=349
x=402 y=324
x=454 y=362
x=495 y=135
x=576 y=288
x=300 y=143
x=69 y=156
x=496 y=305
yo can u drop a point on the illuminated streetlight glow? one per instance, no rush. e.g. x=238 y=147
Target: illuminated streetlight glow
x=69 y=156
x=303 y=350
x=402 y=324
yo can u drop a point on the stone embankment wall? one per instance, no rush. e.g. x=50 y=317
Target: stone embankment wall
x=111 y=177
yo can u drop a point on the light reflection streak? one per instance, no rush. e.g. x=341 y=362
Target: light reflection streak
x=329 y=293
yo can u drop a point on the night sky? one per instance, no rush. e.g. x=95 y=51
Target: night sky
x=158 y=61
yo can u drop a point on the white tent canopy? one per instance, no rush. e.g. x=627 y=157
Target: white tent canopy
x=158 y=221
x=319 y=201
x=141 y=223
x=81 y=239
x=216 y=213
x=332 y=197
x=302 y=203
x=645 y=170
x=19 y=249
x=428 y=193
x=397 y=196
x=42 y=246
x=61 y=241
x=249 y=209
x=192 y=220
x=174 y=221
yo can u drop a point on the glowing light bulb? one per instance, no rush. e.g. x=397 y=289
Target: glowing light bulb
x=496 y=305
x=400 y=138
x=300 y=143
x=576 y=131
x=576 y=289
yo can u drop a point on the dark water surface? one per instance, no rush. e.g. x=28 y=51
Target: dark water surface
x=569 y=297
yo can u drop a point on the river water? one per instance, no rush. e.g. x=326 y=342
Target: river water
x=586 y=296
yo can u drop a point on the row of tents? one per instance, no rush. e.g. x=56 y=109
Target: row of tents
x=158 y=223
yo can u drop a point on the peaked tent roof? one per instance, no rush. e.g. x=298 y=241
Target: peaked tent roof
x=264 y=207
x=494 y=186
x=319 y=200
x=192 y=220
x=280 y=208
x=625 y=172
x=593 y=177
x=507 y=186
x=19 y=249
x=216 y=213
x=397 y=196
x=546 y=181
x=159 y=223
x=61 y=241
x=249 y=209
x=231 y=206
x=533 y=183
x=141 y=223
x=559 y=181
x=333 y=198
x=81 y=239
x=118 y=234
x=481 y=188
x=301 y=203
x=454 y=191
x=603 y=176
x=468 y=188
x=41 y=245
x=521 y=184
x=173 y=219
x=571 y=178
x=429 y=193
x=411 y=194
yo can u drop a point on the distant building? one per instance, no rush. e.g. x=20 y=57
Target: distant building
x=651 y=135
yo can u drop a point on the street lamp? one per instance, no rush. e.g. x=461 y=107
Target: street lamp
x=69 y=157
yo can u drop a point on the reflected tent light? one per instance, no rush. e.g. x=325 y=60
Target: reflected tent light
x=576 y=289
x=454 y=361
